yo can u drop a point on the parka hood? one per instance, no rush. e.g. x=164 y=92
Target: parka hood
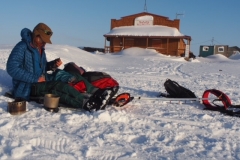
x=26 y=35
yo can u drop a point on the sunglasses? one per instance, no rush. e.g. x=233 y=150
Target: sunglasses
x=49 y=33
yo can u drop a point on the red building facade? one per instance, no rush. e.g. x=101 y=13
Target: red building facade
x=146 y=30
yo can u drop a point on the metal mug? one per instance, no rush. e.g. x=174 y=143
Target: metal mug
x=51 y=101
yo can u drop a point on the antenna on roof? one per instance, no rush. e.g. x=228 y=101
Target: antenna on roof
x=145 y=6
x=212 y=41
x=179 y=14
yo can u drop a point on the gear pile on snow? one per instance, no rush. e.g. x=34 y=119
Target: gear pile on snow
x=212 y=99
x=220 y=101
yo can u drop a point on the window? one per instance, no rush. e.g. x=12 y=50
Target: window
x=221 y=49
x=206 y=48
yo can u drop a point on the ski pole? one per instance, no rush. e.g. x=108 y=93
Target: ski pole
x=124 y=98
x=175 y=99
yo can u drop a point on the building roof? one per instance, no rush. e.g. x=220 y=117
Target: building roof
x=155 y=31
x=145 y=13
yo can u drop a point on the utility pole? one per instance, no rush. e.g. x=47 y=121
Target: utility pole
x=212 y=41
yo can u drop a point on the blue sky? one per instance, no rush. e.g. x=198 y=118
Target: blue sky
x=84 y=22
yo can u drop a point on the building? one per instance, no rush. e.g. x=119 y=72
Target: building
x=147 y=30
x=234 y=50
x=225 y=50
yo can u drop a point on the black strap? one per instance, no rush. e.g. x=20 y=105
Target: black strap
x=234 y=106
x=225 y=112
x=218 y=106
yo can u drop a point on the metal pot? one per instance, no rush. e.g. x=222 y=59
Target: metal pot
x=51 y=101
x=17 y=107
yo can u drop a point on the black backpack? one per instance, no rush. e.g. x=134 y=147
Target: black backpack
x=175 y=90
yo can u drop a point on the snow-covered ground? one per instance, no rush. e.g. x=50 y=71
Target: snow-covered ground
x=143 y=129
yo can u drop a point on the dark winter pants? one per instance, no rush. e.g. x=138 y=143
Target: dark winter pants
x=68 y=95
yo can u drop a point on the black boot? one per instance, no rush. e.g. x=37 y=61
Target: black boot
x=96 y=101
x=100 y=99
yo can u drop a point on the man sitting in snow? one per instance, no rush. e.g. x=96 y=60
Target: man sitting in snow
x=27 y=65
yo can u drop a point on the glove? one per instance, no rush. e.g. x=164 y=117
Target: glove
x=41 y=79
x=55 y=64
x=58 y=62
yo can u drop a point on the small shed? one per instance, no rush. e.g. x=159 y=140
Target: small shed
x=233 y=50
x=206 y=50
x=147 y=30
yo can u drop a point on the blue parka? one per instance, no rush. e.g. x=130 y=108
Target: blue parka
x=25 y=65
